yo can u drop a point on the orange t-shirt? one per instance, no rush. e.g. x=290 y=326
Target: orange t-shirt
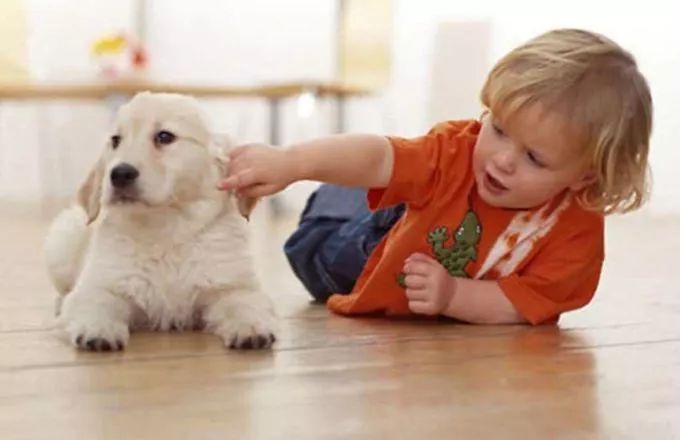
x=547 y=260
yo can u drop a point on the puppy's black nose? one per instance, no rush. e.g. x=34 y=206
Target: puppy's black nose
x=123 y=175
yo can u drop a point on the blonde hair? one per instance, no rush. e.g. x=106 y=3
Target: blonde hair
x=596 y=86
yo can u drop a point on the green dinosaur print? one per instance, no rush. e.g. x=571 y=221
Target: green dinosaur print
x=456 y=256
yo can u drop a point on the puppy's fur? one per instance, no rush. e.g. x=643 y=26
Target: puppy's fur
x=164 y=250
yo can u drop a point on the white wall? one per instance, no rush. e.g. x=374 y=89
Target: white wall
x=227 y=42
x=61 y=31
x=249 y=41
x=241 y=42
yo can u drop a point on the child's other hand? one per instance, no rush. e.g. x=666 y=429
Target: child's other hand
x=429 y=287
x=257 y=170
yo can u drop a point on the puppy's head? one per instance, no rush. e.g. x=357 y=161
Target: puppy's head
x=159 y=153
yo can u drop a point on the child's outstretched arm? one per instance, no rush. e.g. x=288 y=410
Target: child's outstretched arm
x=352 y=160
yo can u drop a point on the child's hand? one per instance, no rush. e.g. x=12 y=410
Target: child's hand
x=257 y=170
x=429 y=287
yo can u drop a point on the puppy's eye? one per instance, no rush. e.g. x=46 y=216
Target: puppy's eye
x=115 y=141
x=164 y=137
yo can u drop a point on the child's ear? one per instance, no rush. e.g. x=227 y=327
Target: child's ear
x=585 y=181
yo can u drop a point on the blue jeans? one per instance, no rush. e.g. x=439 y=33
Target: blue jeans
x=334 y=238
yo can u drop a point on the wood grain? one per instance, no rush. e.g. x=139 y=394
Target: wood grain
x=608 y=371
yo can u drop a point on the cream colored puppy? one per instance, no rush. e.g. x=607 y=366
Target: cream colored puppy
x=152 y=243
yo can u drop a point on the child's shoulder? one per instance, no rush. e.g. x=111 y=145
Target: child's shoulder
x=454 y=139
x=577 y=221
x=577 y=214
x=462 y=127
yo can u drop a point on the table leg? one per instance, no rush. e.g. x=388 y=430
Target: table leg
x=275 y=202
x=340 y=124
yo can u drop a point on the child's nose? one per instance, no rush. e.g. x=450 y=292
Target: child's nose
x=505 y=161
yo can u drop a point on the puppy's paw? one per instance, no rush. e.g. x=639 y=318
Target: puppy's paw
x=98 y=344
x=249 y=331
x=251 y=340
x=98 y=335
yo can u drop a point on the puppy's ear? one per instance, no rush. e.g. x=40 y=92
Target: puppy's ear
x=219 y=150
x=90 y=192
x=222 y=144
x=246 y=205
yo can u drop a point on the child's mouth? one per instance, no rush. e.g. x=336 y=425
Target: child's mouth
x=493 y=185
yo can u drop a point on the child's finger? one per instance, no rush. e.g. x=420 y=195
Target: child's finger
x=238 y=151
x=422 y=308
x=236 y=165
x=258 y=190
x=415 y=281
x=240 y=180
x=417 y=294
x=229 y=183
x=416 y=268
x=417 y=256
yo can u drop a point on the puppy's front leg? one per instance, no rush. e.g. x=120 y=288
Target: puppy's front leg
x=95 y=319
x=243 y=319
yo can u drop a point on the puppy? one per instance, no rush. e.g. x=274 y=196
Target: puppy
x=151 y=242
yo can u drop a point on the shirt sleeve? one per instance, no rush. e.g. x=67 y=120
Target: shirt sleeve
x=563 y=275
x=422 y=163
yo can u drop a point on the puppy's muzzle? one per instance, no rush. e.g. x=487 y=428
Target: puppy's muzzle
x=123 y=179
x=123 y=176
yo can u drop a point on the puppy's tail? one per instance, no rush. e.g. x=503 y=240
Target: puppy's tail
x=65 y=246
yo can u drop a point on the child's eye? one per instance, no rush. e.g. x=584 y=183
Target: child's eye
x=497 y=129
x=535 y=160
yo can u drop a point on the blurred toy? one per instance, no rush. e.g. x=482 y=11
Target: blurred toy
x=118 y=56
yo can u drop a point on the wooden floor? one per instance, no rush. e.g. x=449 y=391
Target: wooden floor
x=609 y=371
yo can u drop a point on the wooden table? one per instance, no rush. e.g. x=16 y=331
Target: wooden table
x=117 y=91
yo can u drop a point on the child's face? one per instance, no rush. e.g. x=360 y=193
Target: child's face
x=527 y=163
